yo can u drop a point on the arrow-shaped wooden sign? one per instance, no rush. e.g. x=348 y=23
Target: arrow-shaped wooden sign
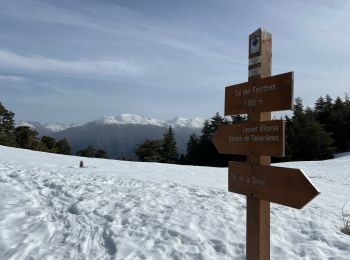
x=251 y=138
x=285 y=186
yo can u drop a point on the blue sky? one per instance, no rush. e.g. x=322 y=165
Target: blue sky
x=74 y=61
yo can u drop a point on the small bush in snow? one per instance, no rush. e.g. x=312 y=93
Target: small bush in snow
x=346 y=220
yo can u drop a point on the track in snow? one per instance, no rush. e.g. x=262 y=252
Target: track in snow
x=97 y=217
x=51 y=209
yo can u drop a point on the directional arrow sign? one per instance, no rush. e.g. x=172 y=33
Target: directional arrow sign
x=261 y=95
x=251 y=138
x=286 y=186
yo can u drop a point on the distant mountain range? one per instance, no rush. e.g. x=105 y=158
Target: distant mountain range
x=119 y=135
x=45 y=129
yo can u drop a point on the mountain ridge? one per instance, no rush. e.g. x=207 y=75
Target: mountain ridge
x=121 y=119
x=119 y=135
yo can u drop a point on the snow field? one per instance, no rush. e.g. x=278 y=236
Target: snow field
x=51 y=209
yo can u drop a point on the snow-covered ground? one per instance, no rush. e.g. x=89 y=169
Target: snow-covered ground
x=51 y=209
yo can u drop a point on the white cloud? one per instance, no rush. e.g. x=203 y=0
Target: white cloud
x=88 y=68
x=11 y=78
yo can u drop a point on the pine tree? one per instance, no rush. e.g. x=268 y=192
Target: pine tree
x=48 y=142
x=201 y=151
x=192 y=150
x=338 y=125
x=298 y=108
x=238 y=119
x=87 y=152
x=169 y=150
x=333 y=116
x=7 y=127
x=159 y=150
x=215 y=122
x=347 y=123
x=27 y=138
x=99 y=153
x=206 y=132
x=205 y=146
x=347 y=99
x=306 y=138
x=319 y=106
x=63 y=147
x=149 y=151
x=92 y=153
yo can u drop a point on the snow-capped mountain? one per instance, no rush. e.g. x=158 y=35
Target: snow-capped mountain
x=41 y=129
x=24 y=123
x=120 y=139
x=56 y=127
x=44 y=129
x=196 y=122
x=132 y=119
x=119 y=135
x=124 y=119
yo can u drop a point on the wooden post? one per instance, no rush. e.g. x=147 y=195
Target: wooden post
x=258 y=211
x=259 y=139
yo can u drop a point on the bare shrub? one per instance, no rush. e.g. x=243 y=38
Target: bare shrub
x=346 y=220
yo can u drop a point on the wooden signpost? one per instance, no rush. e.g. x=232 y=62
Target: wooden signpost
x=260 y=138
x=285 y=186
x=260 y=95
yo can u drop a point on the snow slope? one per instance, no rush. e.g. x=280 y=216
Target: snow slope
x=51 y=209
